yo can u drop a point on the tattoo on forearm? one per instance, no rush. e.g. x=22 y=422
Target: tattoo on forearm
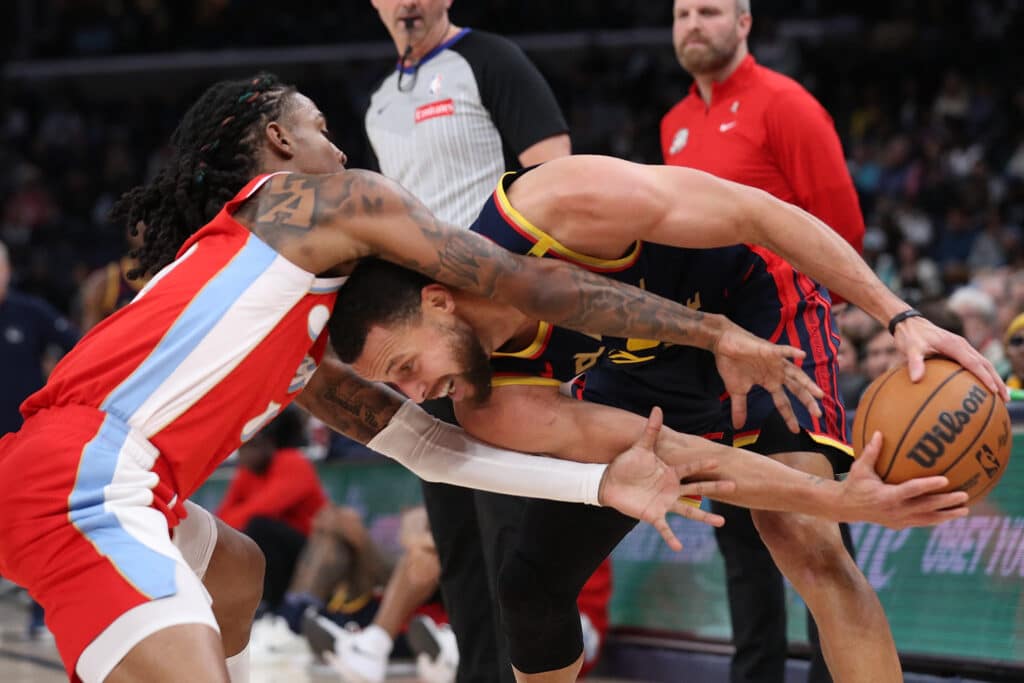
x=354 y=407
x=553 y=291
x=557 y=292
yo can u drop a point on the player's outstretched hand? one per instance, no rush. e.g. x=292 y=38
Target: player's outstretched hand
x=919 y=337
x=866 y=498
x=637 y=483
x=744 y=360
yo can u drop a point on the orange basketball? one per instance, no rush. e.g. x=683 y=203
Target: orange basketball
x=947 y=424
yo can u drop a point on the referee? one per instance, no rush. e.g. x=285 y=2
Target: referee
x=461 y=108
x=746 y=123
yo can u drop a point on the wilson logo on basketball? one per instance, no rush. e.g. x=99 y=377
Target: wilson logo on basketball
x=435 y=109
x=932 y=444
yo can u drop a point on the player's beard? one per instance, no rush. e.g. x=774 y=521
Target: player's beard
x=707 y=57
x=474 y=361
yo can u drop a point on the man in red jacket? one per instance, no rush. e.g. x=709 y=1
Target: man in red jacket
x=273 y=498
x=749 y=124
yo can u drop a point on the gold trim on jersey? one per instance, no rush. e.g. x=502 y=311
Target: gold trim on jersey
x=747 y=439
x=543 y=242
x=510 y=380
x=535 y=347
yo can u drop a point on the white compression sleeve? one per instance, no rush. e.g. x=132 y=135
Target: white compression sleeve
x=436 y=451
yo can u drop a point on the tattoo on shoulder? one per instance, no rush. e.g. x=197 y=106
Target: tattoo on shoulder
x=463 y=259
x=288 y=207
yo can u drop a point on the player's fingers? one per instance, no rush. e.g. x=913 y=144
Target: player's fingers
x=739 y=410
x=915 y=364
x=707 y=488
x=666 y=533
x=912 y=488
x=797 y=379
x=651 y=429
x=785 y=410
x=806 y=391
x=939 y=501
x=791 y=352
x=696 y=514
x=691 y=467
x=869 y=455
x=937 y=517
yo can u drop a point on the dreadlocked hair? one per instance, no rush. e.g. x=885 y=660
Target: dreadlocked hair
x=214 y=154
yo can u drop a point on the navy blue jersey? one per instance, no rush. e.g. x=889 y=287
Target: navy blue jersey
x=751 y=286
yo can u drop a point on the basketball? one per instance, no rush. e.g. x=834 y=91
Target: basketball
x=947 y=424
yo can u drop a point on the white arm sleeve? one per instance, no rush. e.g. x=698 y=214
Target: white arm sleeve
x=436 y=451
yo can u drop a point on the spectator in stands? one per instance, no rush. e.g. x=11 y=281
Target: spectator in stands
x=1014 y=340
x=880 y=354
x=977 y=312
x=273 y=499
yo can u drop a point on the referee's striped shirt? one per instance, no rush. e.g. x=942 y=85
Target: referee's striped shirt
x=463 y=115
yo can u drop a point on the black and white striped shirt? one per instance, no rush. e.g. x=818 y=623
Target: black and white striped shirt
x=464 y=114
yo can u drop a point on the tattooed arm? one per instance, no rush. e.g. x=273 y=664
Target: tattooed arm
x=322 y=222
x=347 y=403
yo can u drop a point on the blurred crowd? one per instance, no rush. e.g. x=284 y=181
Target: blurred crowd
x=926 y=97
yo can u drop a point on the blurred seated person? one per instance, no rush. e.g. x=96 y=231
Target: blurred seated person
x=358 y=635
x=108 y=289
x=273 y=499
x=1014 y=341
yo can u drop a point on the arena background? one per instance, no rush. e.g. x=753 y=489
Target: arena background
x=927 y=96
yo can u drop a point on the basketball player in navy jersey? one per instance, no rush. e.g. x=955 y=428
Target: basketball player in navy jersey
x=430 y=341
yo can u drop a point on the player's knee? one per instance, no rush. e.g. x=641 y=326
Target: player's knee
x=539 y=616
x=809 y=550
x=238 y=567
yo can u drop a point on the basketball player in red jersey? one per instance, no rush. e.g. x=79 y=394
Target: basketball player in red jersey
x=249 y=232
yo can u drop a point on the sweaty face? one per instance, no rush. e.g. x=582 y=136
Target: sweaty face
x=309 y=137
x=412 y=21
x=707 y=33
x=432 y=357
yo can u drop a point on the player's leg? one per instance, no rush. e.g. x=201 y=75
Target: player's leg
x=817 y=672
x=230 y=566
x=499 y=518
x=186 y=652
x=757 y=599
x=464 y=586
x=465 y=589
x=558 y=548
x=78 y=529
x=810 y=552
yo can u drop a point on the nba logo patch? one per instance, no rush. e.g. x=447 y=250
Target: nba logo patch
x=435 y=85
x=679 y=140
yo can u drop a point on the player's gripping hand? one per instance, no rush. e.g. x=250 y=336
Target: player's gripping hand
x=916 y=502
x=918 y=337
x=744 y=360
x=639 y=484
